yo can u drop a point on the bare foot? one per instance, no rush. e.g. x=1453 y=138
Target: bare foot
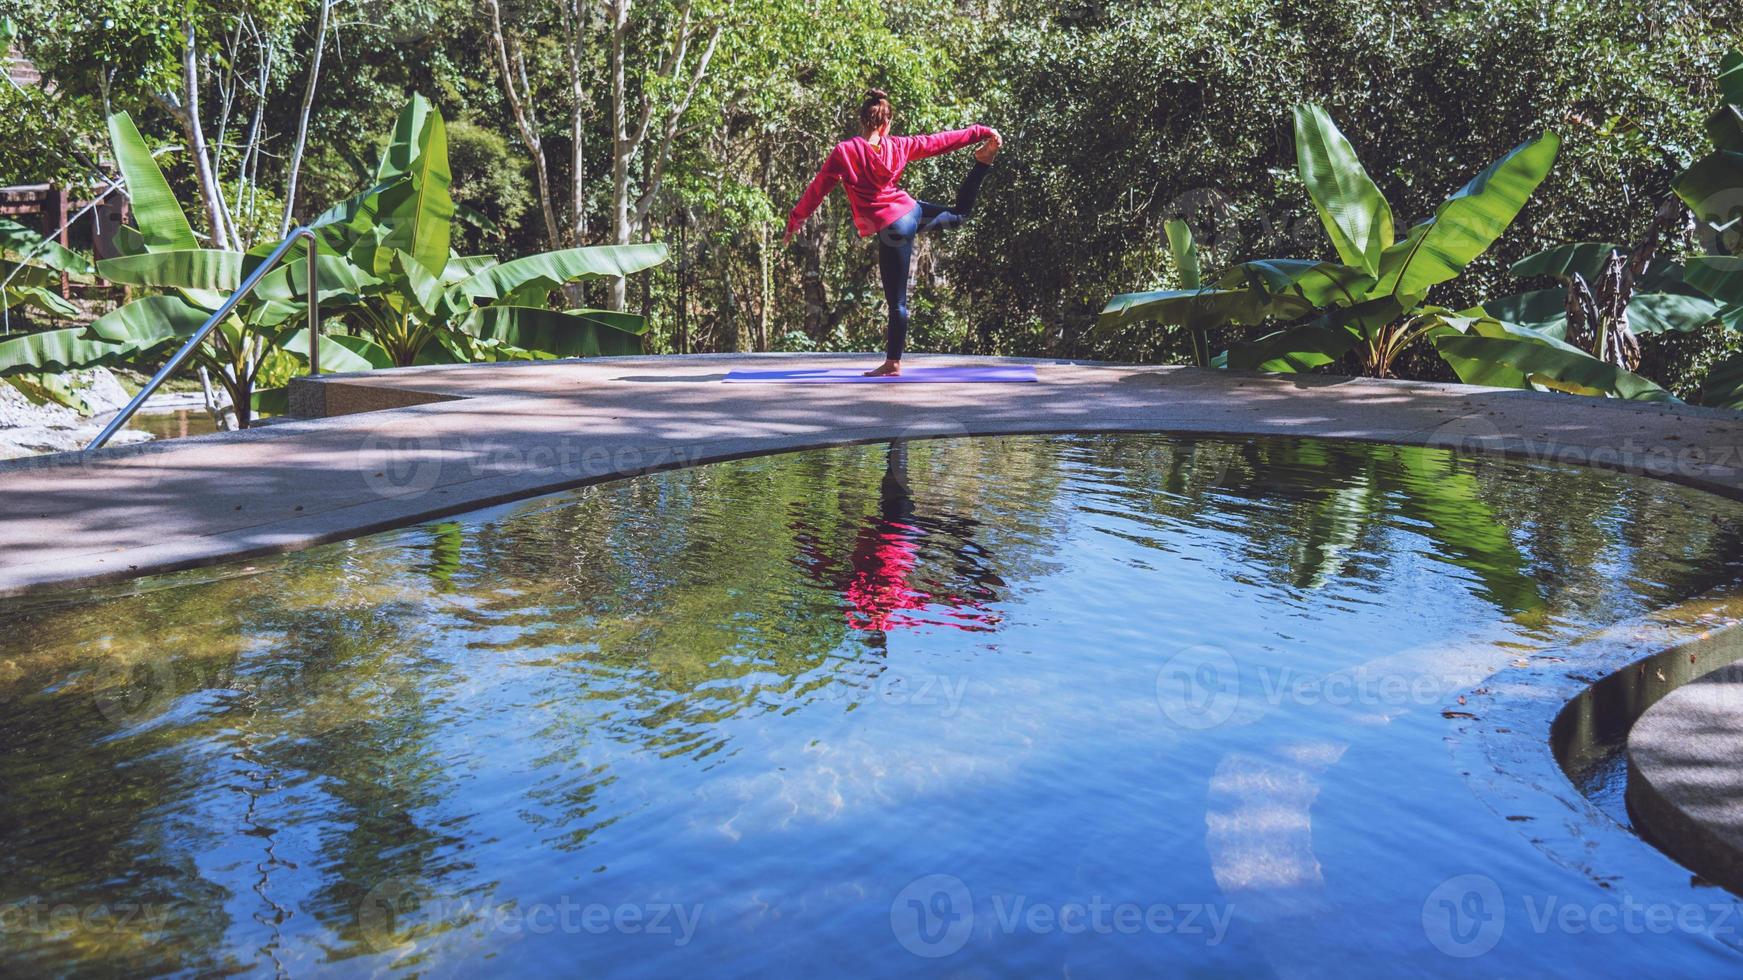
x=886 y=369
x=989 y=151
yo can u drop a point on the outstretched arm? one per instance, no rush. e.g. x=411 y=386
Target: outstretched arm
x=921 y=147
x=821 y=185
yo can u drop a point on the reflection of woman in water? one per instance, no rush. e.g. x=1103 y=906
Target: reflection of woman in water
x=879 y=582
x=885 y=553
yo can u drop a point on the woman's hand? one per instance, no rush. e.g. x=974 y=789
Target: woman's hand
x=989 y=150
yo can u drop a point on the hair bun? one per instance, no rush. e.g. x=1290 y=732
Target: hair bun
x=875 y=110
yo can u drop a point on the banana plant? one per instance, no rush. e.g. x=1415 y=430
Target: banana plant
x=391 y=287
x=31 y=266
x=1713 y=190
x=397 y=280
x=1373 y=299
x=161 y=253
x=1610 y=294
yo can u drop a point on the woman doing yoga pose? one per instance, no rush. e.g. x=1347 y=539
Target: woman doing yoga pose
x=868 y=168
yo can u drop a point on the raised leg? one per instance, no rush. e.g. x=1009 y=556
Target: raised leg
x=935 y=217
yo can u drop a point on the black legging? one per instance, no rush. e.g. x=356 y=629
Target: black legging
x=896 y=251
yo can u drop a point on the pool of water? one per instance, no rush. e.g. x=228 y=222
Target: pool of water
x=177 y=423
x=1087 y=705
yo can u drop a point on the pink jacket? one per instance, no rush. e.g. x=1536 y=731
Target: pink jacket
x=869 y=174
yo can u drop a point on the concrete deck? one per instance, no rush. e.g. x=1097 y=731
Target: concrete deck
x=392 y=448
x=1685 y=786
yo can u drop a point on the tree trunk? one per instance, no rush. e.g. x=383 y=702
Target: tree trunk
x=683 y=287
x=810 y=246
x=296 y=160
x=511 y=65
x=621 y=146
x=577 y=23
x=222 y=235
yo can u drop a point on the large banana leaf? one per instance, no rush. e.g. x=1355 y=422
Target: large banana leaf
x=1466 y=224
x=272 y=312
x=419 y=213
x=1731 y=75
x=44 y=298
x=1723 y=386
x=196 y=268
x=34 y=286
x=1652 y=313
x=416 y=282
x=463 y=267
x=338 y=277
x=1185 y=249
x=270 y=401
x=54 y=351
x=159 y=218
x=1540 y=309
x=551 y=270
x=53 y=388
x=1555 y=366
x=1710 y=187
x=1355 y=213
x=1180 y=307
x=1585 y=258
x=357 y=213
x=1545 y=310
x=1725 y=126
x=339 y=352
x=1293 y=349
x=562 y=334
x=148 y=321
x=1480 y=371
x=1588 y=259
x=128 y=241
x=405 y=143
x=1719 y=276
x=21 y=245
x=1319 y=283
x=617 y=320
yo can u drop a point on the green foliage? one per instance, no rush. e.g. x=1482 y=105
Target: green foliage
x=31 y=265
x=490 y=180
x=394 y=275
x=1121 y=116
x=383 y=264
x=1373 y=303
x=1355 y=213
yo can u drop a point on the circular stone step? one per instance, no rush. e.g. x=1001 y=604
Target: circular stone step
x=1685 y=776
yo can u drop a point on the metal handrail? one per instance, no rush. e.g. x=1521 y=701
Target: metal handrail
x=121 y=418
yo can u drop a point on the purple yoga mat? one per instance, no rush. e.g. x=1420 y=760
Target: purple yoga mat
x=913 y=375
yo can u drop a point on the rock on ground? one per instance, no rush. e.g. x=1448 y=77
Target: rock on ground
x=28 y=428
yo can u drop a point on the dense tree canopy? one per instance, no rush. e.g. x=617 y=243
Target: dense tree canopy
x=1119 y=116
